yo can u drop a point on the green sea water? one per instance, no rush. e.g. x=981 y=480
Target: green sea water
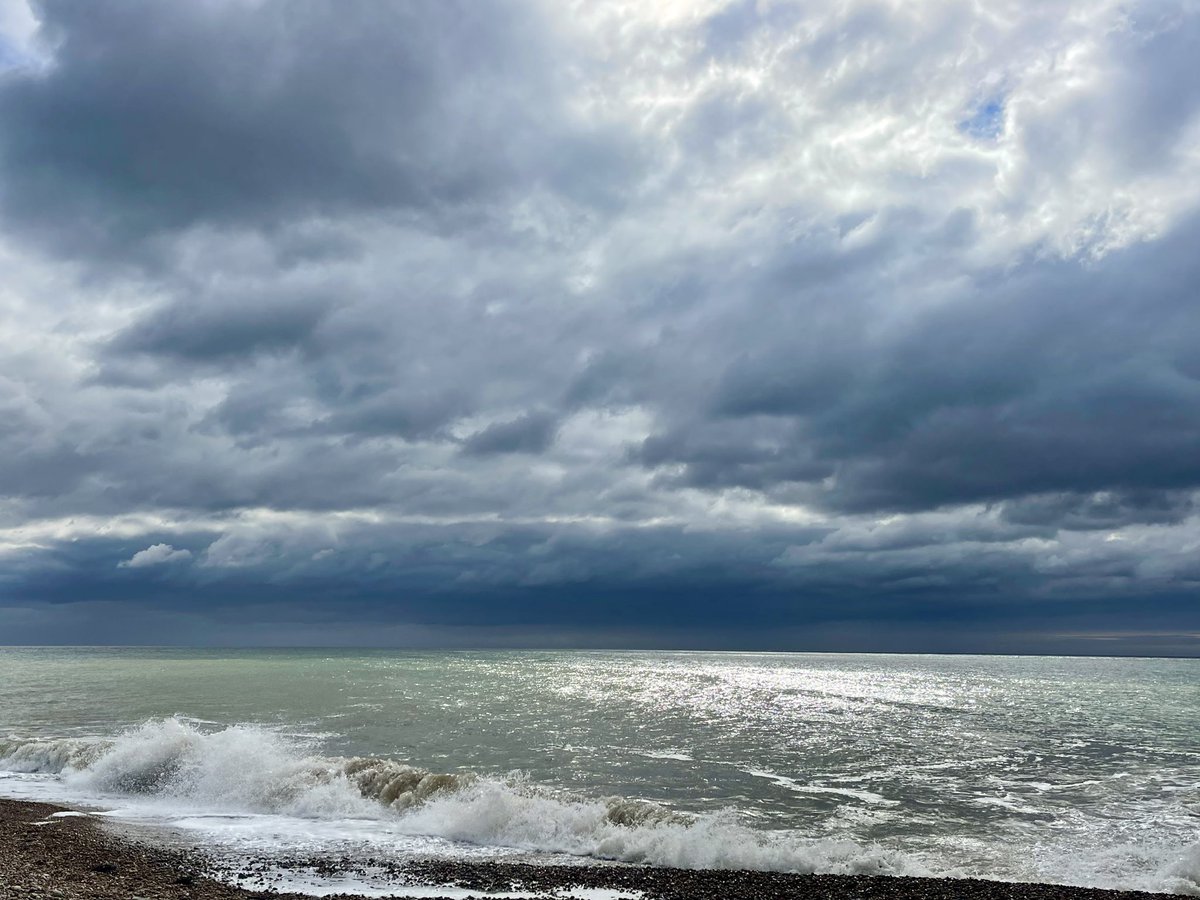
x=1073 y=770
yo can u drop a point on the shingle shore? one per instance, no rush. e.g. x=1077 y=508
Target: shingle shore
x=75 y=858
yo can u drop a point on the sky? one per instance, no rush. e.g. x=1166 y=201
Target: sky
x=766 y=325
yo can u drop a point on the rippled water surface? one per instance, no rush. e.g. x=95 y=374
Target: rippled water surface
x=1056 y=769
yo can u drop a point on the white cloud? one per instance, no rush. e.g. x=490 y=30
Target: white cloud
x=155 y=555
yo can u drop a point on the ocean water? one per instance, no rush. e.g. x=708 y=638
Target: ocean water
x=1070 y=770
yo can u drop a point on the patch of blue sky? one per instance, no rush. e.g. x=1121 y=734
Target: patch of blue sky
x=986 y=122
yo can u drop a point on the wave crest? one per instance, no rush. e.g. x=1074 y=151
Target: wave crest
x=49 y=757
x=400 y=786
x=256 y=770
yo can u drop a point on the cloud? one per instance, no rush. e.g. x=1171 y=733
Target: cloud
x=155 y=555
x=1055 y=378
x=139 y=127
x=530 y=433
x=704 y=323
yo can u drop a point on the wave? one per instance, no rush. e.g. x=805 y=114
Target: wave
x=1183 y=877
x=49 y=756
x=250 y=769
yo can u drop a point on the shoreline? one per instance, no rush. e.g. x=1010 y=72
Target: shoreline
x=53 y=852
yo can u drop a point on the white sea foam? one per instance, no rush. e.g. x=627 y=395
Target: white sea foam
x=251 y=789
x=517 y=814
x=380 y=884
x=1008 y=803
x=678 y=755
x=800 y=788
x=1183 y=876
x=252 y=771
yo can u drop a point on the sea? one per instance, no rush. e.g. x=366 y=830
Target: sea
x=1069 y=770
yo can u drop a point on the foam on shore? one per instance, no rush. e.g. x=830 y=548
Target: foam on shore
x=179 y=768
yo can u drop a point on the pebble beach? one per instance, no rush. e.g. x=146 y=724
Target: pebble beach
x=48 y=851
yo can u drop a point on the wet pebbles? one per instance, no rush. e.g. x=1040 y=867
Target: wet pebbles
x=43 y=857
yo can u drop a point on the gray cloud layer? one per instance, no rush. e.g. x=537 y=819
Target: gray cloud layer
x=738 y=326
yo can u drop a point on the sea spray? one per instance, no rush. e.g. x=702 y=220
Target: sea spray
x=249 y=769
x=52 y=756
x=518 y=814
x=1183 y=876
x=241 y=768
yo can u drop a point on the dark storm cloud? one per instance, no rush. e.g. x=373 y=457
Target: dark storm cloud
x=530 y=433
x=1100 y=510
x=200 y=331
x=649 y=587
x=752 y=453
x=157 y=117
x=1055 y=378
x=407 y=412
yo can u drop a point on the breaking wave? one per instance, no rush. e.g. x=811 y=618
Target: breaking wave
x=1183 y=877
x=49 y=756
x=255 y=770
